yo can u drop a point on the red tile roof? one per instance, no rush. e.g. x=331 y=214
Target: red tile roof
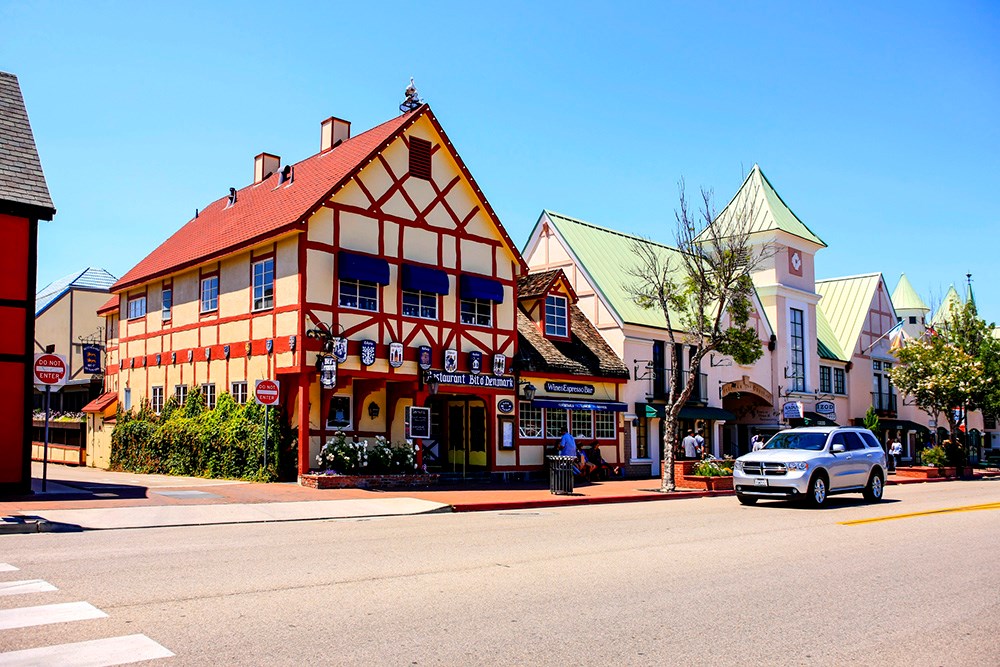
x=101 y=403
x=109 y=306
x=265 y=209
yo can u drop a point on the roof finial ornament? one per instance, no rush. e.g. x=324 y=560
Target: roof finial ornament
x=412 y=100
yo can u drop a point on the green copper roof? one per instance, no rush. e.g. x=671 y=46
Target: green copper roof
x=826 y=342
x=758 y=196
x=607 y=257
x=845 y=306
x=943 y=313
x=904 y=297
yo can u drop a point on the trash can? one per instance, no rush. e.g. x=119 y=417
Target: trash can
x=561 y=474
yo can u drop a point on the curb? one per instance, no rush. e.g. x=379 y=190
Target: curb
x=570 y=501
x=19 y=525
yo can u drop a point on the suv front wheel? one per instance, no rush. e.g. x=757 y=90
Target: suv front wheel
x=818 y=491
x=875 y=487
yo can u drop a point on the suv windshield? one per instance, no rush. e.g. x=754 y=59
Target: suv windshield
x=813 y=442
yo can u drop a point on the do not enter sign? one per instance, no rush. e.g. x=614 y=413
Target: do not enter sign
x=266 y=392
x=50 y=370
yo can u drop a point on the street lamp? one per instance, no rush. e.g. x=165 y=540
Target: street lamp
x=432 y=383
x=529 y=390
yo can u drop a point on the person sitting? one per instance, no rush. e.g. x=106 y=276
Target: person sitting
x=584 y=467
x=604 y=469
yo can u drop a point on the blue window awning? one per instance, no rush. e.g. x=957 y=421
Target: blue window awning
x=596 y=406
x=475 y=287
x=362 y=267
x=423 y=279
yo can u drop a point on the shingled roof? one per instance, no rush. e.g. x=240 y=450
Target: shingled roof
x=90 y=279
x=22 y=184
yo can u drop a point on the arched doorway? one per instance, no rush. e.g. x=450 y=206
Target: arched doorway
x=755 y=414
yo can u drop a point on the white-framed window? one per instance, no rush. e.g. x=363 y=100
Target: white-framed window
x=128 y=399
x=556 y=316
x=582 y=422
x=476 y=311
x=555 y=422
x=605 y=425
x=156 y=400
x=359 y=294
x=168 y=302
x=239 y=392
x=839 y=381
x=209 y=294
x=208 y=391
x=420 y=304
x=530 y=421
x=180 y=393
x=137 y=307
x=825 y=379
x=263 y=284
x=798 y=352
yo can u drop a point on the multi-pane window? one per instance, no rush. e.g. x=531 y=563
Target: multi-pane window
x=582 y=423
x=797 y=327
x=239 y=392
x=555 y=422
x=359 y=294
x=209 y=294
x=156 y=401
x=530 y=422
x=642 y=440
x=477 y=311
x=556 y=316
x=180 y=393
x=128 y=399
x=604 y=425
x=137 y=307
x=839 y=381
x=825 y=379
x=168 y=302
x=263 y=284
x=208 y=391
x=420 y=304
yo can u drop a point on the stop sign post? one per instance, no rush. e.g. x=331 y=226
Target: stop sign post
x=50 y=370
x=266 y=392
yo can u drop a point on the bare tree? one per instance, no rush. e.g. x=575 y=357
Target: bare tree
x=704 y=289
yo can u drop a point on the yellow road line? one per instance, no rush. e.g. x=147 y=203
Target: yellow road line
x=947 y=510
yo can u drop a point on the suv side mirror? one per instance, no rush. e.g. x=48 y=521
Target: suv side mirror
x=837 y=448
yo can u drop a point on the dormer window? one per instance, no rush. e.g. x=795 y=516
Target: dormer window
x=557 y=316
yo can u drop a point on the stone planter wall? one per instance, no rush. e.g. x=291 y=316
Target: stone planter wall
x=926 y=472
x=317 y=481
x=705 y=483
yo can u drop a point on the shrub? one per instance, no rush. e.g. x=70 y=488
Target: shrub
x=710 y=468
x=345 y=456
x=934 y=456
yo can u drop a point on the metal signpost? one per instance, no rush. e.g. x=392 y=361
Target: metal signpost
x=50 y=371
x=266 y=393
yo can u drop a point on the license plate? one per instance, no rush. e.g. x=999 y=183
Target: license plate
x=760 y=482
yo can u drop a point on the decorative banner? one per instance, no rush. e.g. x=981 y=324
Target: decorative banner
x=269 y=345
x=327 y=366
x=173 y=357
x=367 y=352
x=827 y=409
x=475 y=362
x=291 y=343
x=91 y=358
x=208 y=354
x=792 y=410
x=190 y=356
x=505 y=406
x=225 y=351
x=248 y=348
x=157 y=358
x=340 y=349
x=143 y=362
x=499 y=364
x=450 y=361
x=569 y=388
x=395 y=354
x=424 y=357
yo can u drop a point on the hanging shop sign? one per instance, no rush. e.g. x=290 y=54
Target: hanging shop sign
x=499 y=364
x=826 y=408
x=367 y=352
x=505 y=406
x=424 y=357
x=569 y=388
x=475 y=362
x=418 y=422
x=745 y=386
x=450 y=361
x=91 y=358
x=395 y=354
x=340 y=349
x=792 y=410
x=470 y=380
x=327 y=366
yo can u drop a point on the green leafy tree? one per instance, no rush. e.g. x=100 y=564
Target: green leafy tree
x=871 y=420
x=704 y=289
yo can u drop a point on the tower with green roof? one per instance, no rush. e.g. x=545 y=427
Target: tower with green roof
x=910 y=307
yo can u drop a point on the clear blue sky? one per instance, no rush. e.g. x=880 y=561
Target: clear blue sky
x=879 y=123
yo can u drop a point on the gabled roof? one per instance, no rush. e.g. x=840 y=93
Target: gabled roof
x=102 y=402
x=758 y=197
x=904 y=297
x=827 y=344
x=22 y=182
x=111 y=305
x=535 y=285
x=586 y=353
x=845 y=306
x=943 y=313
x=606 y=256
x=91 y=279
x=265 y=210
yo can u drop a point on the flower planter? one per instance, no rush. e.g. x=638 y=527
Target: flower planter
x=322 y=481
x=720 y=483
x=926 y=472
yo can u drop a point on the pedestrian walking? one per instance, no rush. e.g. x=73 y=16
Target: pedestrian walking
x=895 y=451
x=690 y=446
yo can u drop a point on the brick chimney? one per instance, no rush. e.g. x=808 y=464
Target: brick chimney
x=264 y=165
x=333 y=131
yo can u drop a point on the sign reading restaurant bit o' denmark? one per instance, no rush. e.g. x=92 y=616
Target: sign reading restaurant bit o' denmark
x=266 y=392
x=50 y=370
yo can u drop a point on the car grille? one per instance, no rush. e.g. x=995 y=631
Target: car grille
x=764 y=468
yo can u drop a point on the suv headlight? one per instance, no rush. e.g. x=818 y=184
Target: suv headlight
x=738 y=465
x=797 y=465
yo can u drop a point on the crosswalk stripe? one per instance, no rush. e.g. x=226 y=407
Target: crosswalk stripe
x=7 y=567
x=94 y=653
x=47 y=614
x=26 y=586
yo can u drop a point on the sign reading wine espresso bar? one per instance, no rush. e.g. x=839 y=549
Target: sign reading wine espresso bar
x=569 y=388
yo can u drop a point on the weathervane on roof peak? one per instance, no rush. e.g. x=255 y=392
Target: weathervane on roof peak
x=412 y=100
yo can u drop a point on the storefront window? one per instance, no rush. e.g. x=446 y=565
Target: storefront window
x=555 y=422
x=530 y=425
x=604 y=425
x=839 y=381
x=641 y=442
x=798 y=377
x=583 y=423
x=825 y=383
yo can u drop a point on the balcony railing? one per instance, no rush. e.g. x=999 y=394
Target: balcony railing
x=884 y=401
x=660 y=390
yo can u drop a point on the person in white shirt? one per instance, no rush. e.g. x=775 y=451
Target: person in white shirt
x=895 y=451
x=690 y=446
x=756 y=442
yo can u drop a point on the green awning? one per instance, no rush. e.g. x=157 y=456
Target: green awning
x=651 y=411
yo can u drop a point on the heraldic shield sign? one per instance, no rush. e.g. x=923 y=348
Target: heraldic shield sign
x=367 y=352
x=499 y=364
x=424 y=357
x=340 y=349
x=395 y=354
x=450 y=361
x=475 y=362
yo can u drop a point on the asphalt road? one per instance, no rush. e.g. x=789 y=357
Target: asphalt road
x=700 y=581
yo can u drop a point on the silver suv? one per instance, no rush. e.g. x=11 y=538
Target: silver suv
x=811 y=464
